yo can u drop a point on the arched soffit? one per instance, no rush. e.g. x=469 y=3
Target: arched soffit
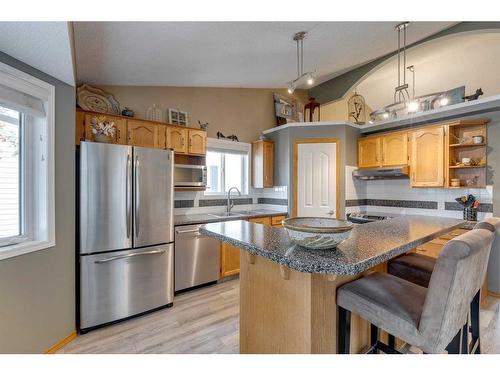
x=339 y=87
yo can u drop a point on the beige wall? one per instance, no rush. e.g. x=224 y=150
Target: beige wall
x=240 y=111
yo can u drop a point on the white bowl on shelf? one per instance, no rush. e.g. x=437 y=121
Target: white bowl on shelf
x=317 y=233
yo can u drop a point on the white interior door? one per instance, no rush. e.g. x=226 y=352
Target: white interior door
x=317 y=179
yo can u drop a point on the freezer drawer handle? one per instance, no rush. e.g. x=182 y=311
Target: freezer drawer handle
x=106 y=260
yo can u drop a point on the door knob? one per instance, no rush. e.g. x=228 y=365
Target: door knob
x=331 y=212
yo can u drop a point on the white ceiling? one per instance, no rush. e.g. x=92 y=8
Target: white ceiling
x=469 y=59
x=228 y=54
x=45 y=46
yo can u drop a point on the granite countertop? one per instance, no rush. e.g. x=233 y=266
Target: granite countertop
x=210 y=218
x=367 y=246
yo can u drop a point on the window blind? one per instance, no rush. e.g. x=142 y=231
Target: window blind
x=21 y=102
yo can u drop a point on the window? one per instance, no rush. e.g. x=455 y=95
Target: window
x=26 y=163
x=227 y=166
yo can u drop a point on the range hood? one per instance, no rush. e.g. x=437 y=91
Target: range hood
x=381 y=173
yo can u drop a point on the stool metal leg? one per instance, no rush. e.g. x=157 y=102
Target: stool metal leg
x=344 y=331
x=465 y=338
x=475 y=345
x=374 y=332
x=374 y=338
x=392 y=342
x=454 y=346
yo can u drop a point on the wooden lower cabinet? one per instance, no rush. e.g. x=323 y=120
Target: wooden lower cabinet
x=434 y=247
x=229 y=260
x=261 y=220
x=230 y=255
x=277 y=221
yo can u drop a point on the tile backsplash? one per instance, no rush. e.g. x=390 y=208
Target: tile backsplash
x=397 y=196
x=197 y=202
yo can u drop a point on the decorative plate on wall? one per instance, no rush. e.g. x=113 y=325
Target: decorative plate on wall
x=93 y=99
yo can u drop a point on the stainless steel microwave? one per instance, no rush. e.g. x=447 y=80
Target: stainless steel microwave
x=190 y=175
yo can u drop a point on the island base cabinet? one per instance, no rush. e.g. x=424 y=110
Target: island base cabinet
x=286 y=311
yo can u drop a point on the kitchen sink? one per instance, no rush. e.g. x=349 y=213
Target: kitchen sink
x=225 y=214
x=240 y=213
x=251 y=212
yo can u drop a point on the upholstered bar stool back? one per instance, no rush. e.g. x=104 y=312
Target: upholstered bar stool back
x=457 y=276
x=431 y=319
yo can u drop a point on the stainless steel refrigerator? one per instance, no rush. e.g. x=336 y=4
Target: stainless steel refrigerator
x=126 y=232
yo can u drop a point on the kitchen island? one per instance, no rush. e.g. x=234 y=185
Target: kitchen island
x=288 y=293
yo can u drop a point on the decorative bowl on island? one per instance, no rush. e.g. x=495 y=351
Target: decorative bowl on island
x=317 y=233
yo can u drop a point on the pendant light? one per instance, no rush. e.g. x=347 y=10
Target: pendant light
x=302 y=78
x=401 y=94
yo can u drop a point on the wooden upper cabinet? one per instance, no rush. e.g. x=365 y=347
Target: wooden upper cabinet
x=145 y=134
x=120 y=127
x=394 y=149
x=369 y=152
x=263 y=164
x=197 y=142
x=177 y=139
x=427 y=157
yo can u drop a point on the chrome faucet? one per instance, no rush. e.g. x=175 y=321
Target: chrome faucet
x=229 y=204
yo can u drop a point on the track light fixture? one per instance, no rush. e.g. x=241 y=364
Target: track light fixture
x=308 y=77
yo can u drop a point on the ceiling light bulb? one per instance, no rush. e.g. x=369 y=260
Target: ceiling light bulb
x=310 y=79
x=444 y=101
x=412 y=106
x=385 y=115
x=291 y=89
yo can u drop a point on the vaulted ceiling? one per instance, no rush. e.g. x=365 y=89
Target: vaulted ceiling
x=229 y=54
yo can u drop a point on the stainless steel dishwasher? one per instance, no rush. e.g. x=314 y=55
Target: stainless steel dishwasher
x=197 y=258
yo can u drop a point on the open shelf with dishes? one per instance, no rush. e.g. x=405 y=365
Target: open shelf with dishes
x=466 y=156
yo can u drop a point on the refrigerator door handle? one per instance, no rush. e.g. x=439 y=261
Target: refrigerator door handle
x=137 y=197
x=128 y=195
x=110 y=259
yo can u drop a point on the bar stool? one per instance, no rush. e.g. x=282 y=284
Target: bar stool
x=418 y=269
x=432 y=318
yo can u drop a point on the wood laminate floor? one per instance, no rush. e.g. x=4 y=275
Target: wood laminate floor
x=206 y=321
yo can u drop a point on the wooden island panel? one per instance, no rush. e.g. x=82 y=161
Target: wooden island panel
x=287 y=311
